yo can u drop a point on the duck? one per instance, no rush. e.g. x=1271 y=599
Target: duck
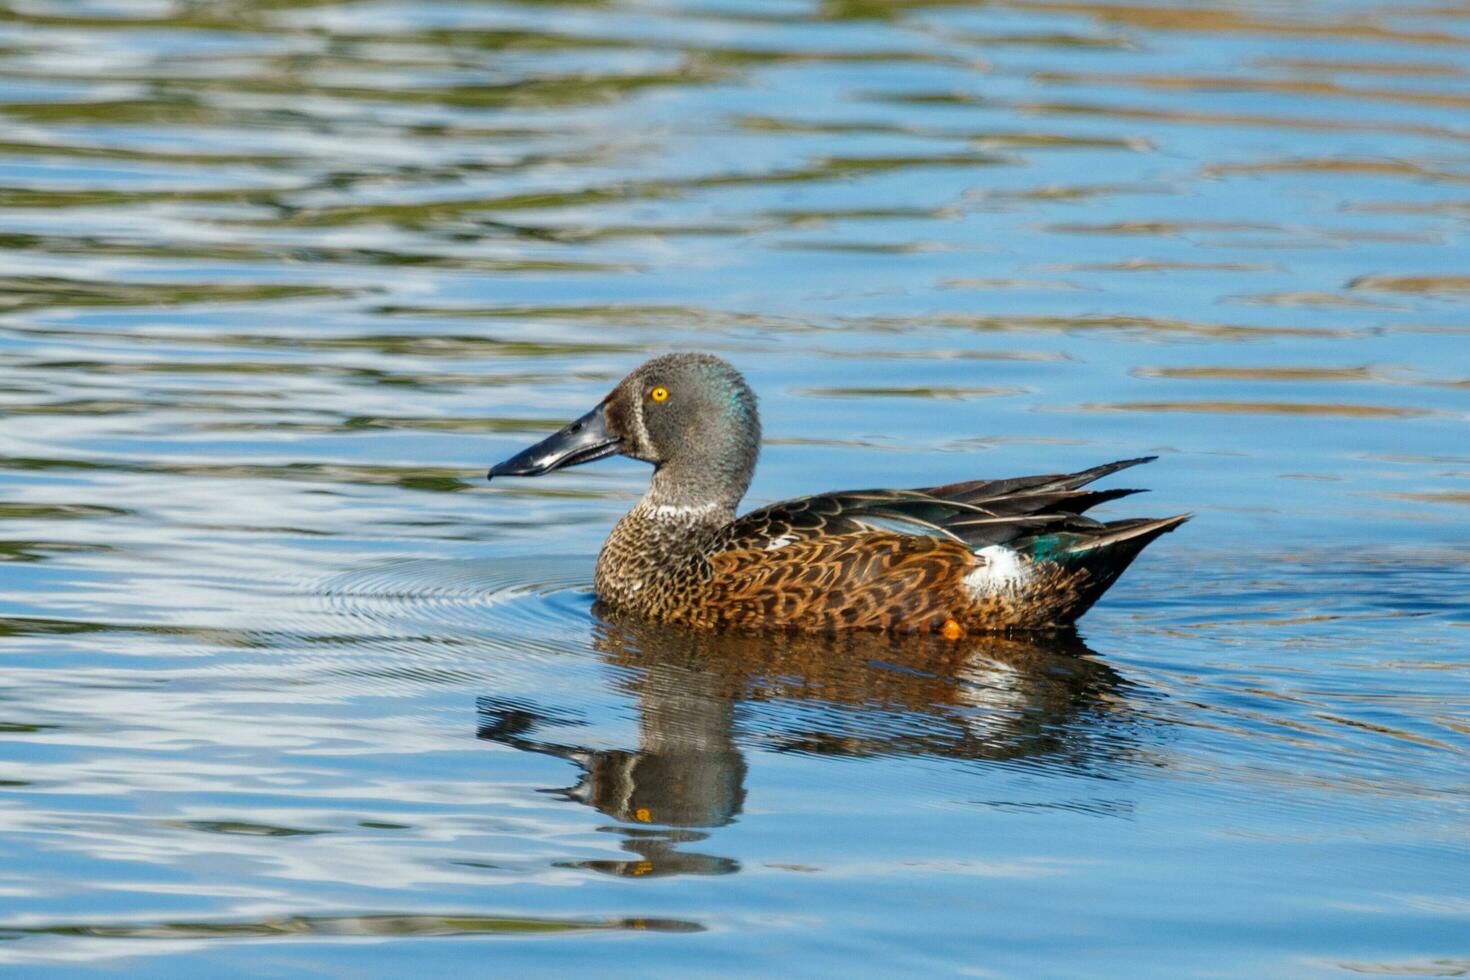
x=974 y=557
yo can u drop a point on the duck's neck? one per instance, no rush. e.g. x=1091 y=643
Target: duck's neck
x=692 y=496
x=659 y=546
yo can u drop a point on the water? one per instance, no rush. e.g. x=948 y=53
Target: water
x=288 y=690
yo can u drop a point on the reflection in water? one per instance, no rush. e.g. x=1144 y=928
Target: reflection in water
x=996 y=699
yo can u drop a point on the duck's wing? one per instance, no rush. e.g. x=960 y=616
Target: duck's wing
x=976 y=514
x=1054 y=501
x=903 y=511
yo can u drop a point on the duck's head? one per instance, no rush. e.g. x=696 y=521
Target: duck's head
x=691 y=415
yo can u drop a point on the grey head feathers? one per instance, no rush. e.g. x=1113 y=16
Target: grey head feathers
x=695 y=419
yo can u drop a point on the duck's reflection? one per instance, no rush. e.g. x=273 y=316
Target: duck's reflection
x=983 y=698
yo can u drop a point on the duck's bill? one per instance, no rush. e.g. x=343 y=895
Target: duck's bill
x=580 y=442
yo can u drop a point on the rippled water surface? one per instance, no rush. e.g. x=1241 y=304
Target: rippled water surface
x=287 y=689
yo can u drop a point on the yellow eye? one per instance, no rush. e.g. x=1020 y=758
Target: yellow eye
x=659 y=394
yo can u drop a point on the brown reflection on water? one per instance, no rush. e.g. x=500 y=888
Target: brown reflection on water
x=983 y=699
x=1337 y=410
x=1203 y=19
x=356 y=926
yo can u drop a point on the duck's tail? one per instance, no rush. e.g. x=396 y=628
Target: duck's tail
x=1103 y=552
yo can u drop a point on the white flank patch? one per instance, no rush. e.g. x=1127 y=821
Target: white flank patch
x=1003 y=569
x=780 y=542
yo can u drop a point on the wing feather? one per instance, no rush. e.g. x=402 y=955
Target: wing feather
x=976 y=513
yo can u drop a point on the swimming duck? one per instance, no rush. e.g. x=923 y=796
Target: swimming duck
x=971 y=557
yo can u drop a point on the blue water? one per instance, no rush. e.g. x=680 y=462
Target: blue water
x=288 y=690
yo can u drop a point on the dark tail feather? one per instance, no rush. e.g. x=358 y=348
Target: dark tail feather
x=1107 y=552
x=1090 y=499
x=977 y=491
x=1075 y=480
x=1130 y=535
x=1008 y=518
x=1047 y=502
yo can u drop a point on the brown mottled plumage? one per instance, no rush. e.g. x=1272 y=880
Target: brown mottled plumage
x=977 y=556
